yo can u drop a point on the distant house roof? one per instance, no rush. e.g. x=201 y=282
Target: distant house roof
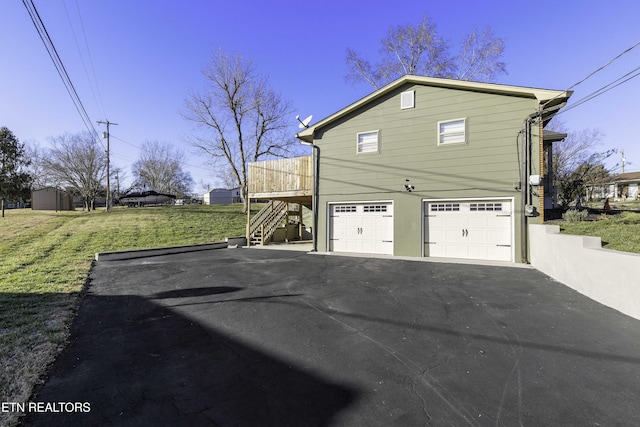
x=220 y=190
x=553 y=99
x=627 y=176
x=50 y=188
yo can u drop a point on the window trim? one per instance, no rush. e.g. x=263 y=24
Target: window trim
x=441 y=134
x=377 y=149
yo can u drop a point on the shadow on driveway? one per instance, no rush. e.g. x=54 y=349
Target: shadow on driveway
x=259 y=338
x=138 y=363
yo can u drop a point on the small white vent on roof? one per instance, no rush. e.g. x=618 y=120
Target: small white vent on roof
x=407 y=99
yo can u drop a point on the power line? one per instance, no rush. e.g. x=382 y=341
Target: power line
x=624 y=52
x=98 y=98
x=60 y=68
x=606 y=65
x=630 y=75
x=140 y=148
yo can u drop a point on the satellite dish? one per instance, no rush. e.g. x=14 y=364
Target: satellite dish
x=304 y=123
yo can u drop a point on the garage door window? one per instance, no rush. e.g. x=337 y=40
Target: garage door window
x=482 y=207
x=374 y=208
x=445 y=207
x=344 y=209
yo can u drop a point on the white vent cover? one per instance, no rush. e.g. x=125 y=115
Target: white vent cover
x=407 y=99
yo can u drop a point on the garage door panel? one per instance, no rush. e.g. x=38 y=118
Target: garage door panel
x=498 y=253
x=476 y=236
x=454 y=235
x=337 y=245
x=453 y=250
x=455 y=222
x=352 y=246
x=499 y=237
x=361 y=227
x=383 y=235
x=477 y=229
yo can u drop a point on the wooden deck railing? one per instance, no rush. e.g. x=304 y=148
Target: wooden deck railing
x=281 y=178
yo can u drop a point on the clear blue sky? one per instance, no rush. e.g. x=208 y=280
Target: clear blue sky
x=145 y=55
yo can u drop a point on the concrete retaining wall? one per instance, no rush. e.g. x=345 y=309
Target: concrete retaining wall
x=610 y=277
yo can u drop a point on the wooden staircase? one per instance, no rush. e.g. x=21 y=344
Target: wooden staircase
x=275 y=215
x=264 y=223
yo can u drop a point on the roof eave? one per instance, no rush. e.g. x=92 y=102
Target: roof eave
x=554 y=97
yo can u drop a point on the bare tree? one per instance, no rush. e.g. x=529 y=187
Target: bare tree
x=420 y=50
x=479 y=57
x=227 y=177
x=242 y=118
x=77 y=161
x=576 y=160
x=37 y=168
x=119 y=175
x=160 y=168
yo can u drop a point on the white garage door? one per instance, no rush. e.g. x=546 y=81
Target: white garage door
x=476 y=229
x=361 y=227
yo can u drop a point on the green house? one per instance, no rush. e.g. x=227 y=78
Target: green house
x=429 y=167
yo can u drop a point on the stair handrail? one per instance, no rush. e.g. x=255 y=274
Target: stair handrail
x=271 y=225
x=266 y=215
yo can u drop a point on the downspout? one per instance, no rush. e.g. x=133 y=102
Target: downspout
x=315 y=154
x=524 y=187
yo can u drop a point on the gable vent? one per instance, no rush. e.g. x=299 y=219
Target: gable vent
x=407 y=99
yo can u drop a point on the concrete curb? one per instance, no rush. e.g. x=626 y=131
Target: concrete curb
x=142 y=253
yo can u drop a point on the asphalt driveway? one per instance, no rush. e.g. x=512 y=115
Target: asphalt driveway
x=252 y=337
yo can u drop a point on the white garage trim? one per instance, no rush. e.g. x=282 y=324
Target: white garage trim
x=360 y=227
x=471 y=227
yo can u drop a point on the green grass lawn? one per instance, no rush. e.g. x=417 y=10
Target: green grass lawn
x=45 y=259
x=621 y=232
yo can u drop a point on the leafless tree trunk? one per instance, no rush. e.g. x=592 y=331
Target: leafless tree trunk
x=241 y=117
x=577 y=161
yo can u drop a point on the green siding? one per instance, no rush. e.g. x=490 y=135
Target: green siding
x=486 y=166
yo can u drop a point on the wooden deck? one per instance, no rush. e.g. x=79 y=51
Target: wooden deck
x=282 y=179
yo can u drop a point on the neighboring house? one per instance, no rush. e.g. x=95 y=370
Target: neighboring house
x=50 y=198
x=222 y=196
x=620 y=187
x=436 y=168
x=625 y=186
x=15 y=205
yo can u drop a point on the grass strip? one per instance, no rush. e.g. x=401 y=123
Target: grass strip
x=621 y=233
x=45 y=259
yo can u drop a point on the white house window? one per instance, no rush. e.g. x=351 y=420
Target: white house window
x=368 y=142
x=407 y=99
x=452 y=132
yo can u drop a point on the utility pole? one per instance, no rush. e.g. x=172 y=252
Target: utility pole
x=106 y=136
